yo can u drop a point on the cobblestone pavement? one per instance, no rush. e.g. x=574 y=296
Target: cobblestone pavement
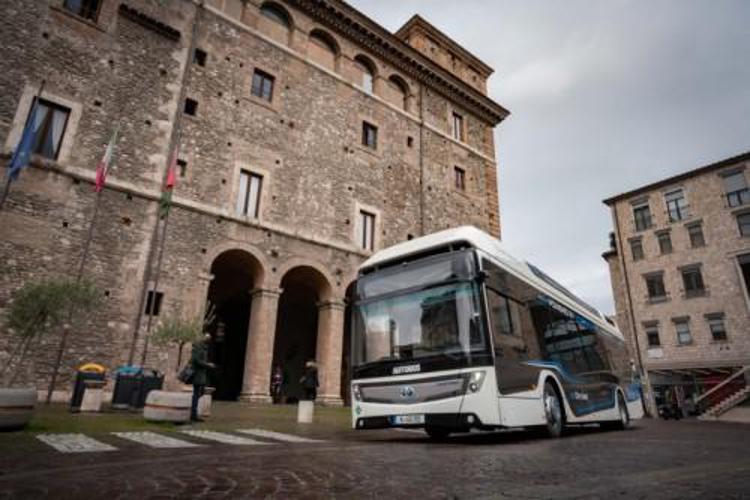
x=686 y=459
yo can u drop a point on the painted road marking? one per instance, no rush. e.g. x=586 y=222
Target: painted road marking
x=74 y=443
x=279 y=436
x=222 y=437
x=155 y=440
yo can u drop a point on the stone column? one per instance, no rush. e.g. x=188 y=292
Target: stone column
x=329 y=351
x=259 y=352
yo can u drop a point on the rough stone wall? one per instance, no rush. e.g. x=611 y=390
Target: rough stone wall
x=707 y=205
x=306 y=143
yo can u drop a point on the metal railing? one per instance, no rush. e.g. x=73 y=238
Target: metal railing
x=721 y=385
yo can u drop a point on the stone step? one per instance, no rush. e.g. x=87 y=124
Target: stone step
x=74 y=443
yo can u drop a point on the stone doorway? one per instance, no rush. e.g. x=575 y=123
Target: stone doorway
x=234 y=274
x=296 y=338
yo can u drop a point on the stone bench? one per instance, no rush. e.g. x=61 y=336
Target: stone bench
x=165 y=406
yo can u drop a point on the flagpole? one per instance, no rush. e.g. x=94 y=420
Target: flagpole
x=8 y=179
x=176 y=137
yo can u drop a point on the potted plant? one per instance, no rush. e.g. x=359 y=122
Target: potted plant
x=35 y=311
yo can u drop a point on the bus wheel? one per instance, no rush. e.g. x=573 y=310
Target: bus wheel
x=437 y=433
x=553 y=411
x=623 y=422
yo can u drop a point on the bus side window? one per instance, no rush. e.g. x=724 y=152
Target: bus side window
x=499 y=308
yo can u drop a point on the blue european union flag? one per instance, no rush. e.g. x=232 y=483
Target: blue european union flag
x=22 y=153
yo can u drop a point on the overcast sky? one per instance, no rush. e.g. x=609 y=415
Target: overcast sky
x=605 y=96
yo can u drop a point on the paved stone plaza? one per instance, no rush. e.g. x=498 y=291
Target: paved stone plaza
x=657 y=459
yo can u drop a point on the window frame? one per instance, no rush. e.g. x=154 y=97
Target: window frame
x=652 y=331
x=242 y=204
x=662 y=238
x=713 y=320
x=686 y=323
x=680 y=211
x=654 y=276
x=640 y=254
x=366 y=232
x=692 y=235
x=458 y=124
x=642 y=222
x=459 y=178
x=740 y=225
x=259 y=90
x=93 y=18
x=368 y=127
x=44 y=128
x=696 y=286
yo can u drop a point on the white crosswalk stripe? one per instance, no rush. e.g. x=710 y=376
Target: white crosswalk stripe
x=74 y=443
x=155 y=440
x=279 y=436
x=222 y=437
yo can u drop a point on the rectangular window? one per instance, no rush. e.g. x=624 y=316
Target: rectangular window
x=682 y=327
x=191 y=106
x=743 y=221
x=665 y=243
x=262 y=85
x=652 y=334
x=199 y=57
x=369 y=135
x=248 y=196
x=458 y=127
x=736 y=190
x=716 y=326
x=695 y=232
x=693 y=282
x=642 y=217
x=676 y=205
x=88 y=9
x=459 y=178
x=49 y=121
x=655 y=286
x=153 y=303
x=636 y=248
x=182 y=164
x=367 y=230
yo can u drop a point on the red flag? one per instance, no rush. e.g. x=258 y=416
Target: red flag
x=166 y=195
x=103 y=166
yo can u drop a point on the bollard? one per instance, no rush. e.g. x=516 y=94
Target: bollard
x=305 y=410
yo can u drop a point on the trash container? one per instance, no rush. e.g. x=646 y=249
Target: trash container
x=150 y=380
x=127 y=381
x=89 y=371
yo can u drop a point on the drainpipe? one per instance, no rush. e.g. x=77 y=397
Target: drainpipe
x=651 y=404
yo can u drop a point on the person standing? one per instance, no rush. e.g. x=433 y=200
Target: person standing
x=200 y=365
x=309 y=381
x=277 y=380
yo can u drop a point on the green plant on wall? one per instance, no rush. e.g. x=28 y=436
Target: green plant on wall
x=36 y=310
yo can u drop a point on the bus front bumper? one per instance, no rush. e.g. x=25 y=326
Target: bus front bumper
x=443 y=420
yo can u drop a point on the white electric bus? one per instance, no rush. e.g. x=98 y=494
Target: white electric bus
x=451 y=333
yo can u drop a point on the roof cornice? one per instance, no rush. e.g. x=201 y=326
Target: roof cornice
x=351 y=23
x=679 y=177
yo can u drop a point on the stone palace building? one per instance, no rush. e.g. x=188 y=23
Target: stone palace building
x=307 y=137
x=680 y=269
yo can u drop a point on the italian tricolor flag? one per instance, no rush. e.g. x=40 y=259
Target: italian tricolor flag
x=166 y=195
x=103 y=166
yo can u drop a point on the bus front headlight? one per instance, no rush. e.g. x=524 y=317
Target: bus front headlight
x=476 y=379
x=356 y=393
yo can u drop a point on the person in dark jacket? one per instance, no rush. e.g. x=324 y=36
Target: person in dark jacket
x=309 y=381
x=200 y=365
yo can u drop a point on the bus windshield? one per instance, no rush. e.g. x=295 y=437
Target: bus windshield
x=441 y=320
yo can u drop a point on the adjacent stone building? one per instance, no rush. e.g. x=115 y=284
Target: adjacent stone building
x=306 y=136
x=680 y=268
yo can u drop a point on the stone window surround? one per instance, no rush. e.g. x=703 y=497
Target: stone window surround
x=640 y=202
x=691 y=224
x=648 y=327
x=672 y=189
x=631 y=242
x=734 y=257
x=103 y=16
x=716 y=316
x=277 y=97
x=692 y=267
x=24 y=108
x=659 y=234
x=357 y=229
x=735 y=214
x=303 y=58
x=264 y=189
x=679 y=320
x=378 y=149
x=657 y=299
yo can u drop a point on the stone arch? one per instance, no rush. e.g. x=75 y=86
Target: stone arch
x=235 y=273
x=258 y=261
x=400 y=92
x=318 y=272
x=323 y=49
x=366 y=73
x=276 y=21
